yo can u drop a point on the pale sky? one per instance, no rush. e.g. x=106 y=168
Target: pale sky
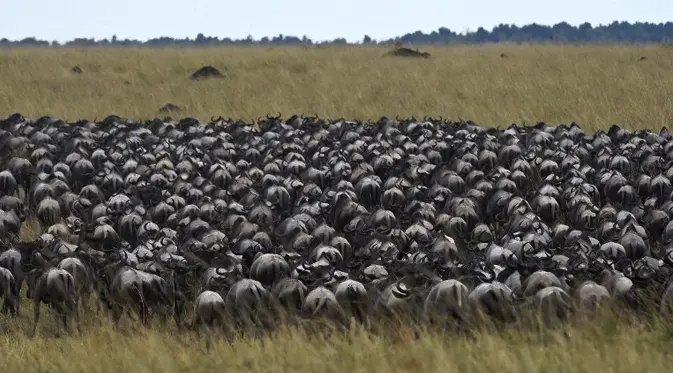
x=318 y=19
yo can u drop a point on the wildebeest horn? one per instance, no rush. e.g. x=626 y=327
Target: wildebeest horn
x=510 y=262
x=222 y=271
x=403 y=292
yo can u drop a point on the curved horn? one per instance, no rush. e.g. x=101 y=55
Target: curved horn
x=510 y=262
x=221 y=271
x=403 y=292
x=491 y=272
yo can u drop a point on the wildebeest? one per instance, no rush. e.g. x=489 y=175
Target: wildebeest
x=248 y=305
x=81 y=276
x=56 y=288
x=428 y=218
x=447 y=300
x=322 y=303
x=9 y=291
x=126 y=288
x=209 y=311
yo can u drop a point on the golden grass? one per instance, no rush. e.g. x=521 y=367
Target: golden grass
x=593 y=85
x=605 y=346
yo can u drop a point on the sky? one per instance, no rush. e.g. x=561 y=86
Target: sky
x=317 y=19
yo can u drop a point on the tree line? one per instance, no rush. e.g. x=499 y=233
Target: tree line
x=616 y=32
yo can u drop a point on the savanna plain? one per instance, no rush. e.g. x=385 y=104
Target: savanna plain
x=595 y=86
x=494 y=85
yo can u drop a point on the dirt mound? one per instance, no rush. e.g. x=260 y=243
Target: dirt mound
x=170 y=108
x=407 y=52
x=206 y=72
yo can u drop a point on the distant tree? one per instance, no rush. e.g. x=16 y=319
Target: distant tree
x=482 y=36
x=615 y=32
x=443 y=31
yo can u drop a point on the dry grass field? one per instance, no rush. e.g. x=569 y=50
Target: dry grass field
x=595 y=86
x=603 y=346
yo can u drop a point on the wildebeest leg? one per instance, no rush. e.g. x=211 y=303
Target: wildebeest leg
x=6 y=306
x=178 y=310
x=36 y=317
x=147 y=316
x=197 y=324
x=208 y=333
x=59 y=314
x=78 y=323
x=74 y=310
x=116 y=314
x=162 y=315
x=163 y=321
x=84 y=300
x=141 y=310
x=13 y=304
x=548 y=313
x=64 y=320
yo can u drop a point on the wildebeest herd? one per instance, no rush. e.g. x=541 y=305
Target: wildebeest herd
x=231 y=224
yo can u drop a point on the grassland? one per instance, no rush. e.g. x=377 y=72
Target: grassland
x=595 y=86
x=604 y=346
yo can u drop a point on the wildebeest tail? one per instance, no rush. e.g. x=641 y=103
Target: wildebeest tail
x=14 y=266
x=258 y=295
x=136 y=290
x=352 y=293
x=69 y=287
x=13 y=287
x=215 y=311
x=322 y=302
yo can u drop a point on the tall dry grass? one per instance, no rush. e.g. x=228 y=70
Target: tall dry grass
x=606 y=345
x=593 y=85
